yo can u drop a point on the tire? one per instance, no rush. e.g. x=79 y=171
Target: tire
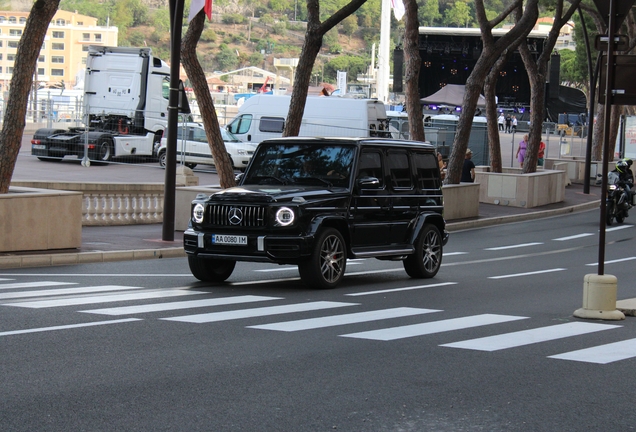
x=161 y=158
x=620 y=217
x=609 y=212
x=326 y=266
x=210 y=270
x=427 y=259
x=105 y=150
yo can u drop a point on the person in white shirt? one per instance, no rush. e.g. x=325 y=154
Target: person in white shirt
x=501 y=121
x=514 y=124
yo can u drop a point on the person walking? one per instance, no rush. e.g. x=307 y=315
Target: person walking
x=508 y=121
x=541 y=154
x=514 y=124
x=521 y=150
x=468 y=170
x=501 y=120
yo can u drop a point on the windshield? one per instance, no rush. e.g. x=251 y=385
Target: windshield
x=308 y=164
x=227 y=136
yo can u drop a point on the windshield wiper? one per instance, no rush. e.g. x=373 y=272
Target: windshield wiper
x=262 y=178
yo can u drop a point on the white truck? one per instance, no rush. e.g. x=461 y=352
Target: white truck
x=264 y=116
x=125 y=107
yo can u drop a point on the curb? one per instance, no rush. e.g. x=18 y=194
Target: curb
x=72 y=258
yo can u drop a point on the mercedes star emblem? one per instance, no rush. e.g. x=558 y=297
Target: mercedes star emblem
x=235 y=216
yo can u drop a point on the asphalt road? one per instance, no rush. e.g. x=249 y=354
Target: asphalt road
x=489 y=344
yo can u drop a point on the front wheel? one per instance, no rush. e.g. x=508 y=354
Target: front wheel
x=610 y=212
x=210 y=270
x=326 y=266
x=162 y=159
x=427 y=259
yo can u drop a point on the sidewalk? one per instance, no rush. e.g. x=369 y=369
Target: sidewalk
x=135 y=242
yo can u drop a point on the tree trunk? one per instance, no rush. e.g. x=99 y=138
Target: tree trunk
x=195 y=73
x=311 y=47
x=413 y=64
x=25 y=62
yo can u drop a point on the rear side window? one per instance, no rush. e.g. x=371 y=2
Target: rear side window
x=427 y=171
x=272 y=124
x=399 y=170
x=370 y=165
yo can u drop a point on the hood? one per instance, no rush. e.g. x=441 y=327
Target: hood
x=275 y=193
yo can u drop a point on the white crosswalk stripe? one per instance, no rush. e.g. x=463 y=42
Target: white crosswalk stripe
x=189 y=304
x=413 y=330
x=258 y=312
x=602 y=354
x=33 y=284
x=527 y=337
x=65 y=291
x=105 y=298
x=336 y=320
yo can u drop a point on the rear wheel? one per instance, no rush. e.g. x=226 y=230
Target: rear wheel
x=427 y=259
x=210 y=270
x=105 y=150
x=326 y=266
x=162 y=159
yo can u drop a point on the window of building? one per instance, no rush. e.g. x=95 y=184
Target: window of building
x=10 y=57
x=10 y=70
x=98 y=37
x=12 y=20
x=0 y=69
x=12 y=44
x=15 y=32
x=22 y=20
x=80 y=23
x=58 y=46
x=40 y=71
x=41 y=59
x=3 y=19
x=43 y=45
x=0 y=56
x=57 y=59
x=86 y=36
x=60 y=22
x=58 y=35
x=57 y=72
x=85 y=48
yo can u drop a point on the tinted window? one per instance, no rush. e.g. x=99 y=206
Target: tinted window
x=272 y=124
x=427 y=170
x=398 y=164
x=370 y=165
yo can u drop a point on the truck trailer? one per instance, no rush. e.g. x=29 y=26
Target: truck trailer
x=125 y=108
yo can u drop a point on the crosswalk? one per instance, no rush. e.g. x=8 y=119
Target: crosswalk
x=201 y=307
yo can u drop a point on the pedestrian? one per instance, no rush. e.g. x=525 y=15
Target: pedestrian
x=514 y=124
x=501 y=120
x=468 y=170
x=521 y=150
x=442 y=166
x=541 y=154
x=508 y=121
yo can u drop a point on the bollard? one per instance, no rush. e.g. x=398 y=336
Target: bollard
x=599 y=298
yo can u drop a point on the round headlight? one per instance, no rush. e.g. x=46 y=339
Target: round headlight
x=197 y=213
x=285 y=216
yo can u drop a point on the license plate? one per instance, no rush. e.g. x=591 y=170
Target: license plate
x=229 y=239
x=38 y=147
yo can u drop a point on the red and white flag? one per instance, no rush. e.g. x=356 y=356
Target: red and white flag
x=398 y=9
x=197 y=5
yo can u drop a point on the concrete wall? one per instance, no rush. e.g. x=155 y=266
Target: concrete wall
x=461 y=201
x=575 y=167
x=512 y=188
x=40 y=219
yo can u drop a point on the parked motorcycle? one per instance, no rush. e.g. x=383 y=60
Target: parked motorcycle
x=619 y=199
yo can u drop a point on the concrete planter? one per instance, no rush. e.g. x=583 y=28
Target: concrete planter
x=575 y=168
x=461 y=200
x=40 y=219
x=512 y=188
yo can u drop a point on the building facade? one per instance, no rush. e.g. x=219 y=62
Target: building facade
x=63 y=53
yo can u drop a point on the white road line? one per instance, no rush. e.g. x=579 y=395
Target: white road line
x=74 y=301
x=33 y=284
x=189 y=304
x=384 y=291
x=258 y=312
x=616 y=228
x=513 y=246
x=433 y=327
x=527 y=337
x=64 y=291
x=337 y=320
x=602 y=354
x=454 y=253
x=3 y=279
x=297 y=278
x=526 y=273
x=572 y=237
x=65 y=327
x=614 y=261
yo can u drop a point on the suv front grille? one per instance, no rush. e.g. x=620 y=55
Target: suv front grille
x=237 y=215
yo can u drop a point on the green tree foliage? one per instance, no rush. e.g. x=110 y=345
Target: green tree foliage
x=350 y=26
x=226 y=58
x=428 y=13
x=458 y=15
x=353 y=65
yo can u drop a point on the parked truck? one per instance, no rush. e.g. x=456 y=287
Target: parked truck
x=125 y=107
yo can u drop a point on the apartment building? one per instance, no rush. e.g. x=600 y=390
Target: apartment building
x=63 y=53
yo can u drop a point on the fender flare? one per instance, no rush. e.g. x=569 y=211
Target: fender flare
x=427 y=218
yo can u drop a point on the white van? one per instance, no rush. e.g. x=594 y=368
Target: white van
x=263 y=116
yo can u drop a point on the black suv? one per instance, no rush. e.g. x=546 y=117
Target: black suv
x=314 y=202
